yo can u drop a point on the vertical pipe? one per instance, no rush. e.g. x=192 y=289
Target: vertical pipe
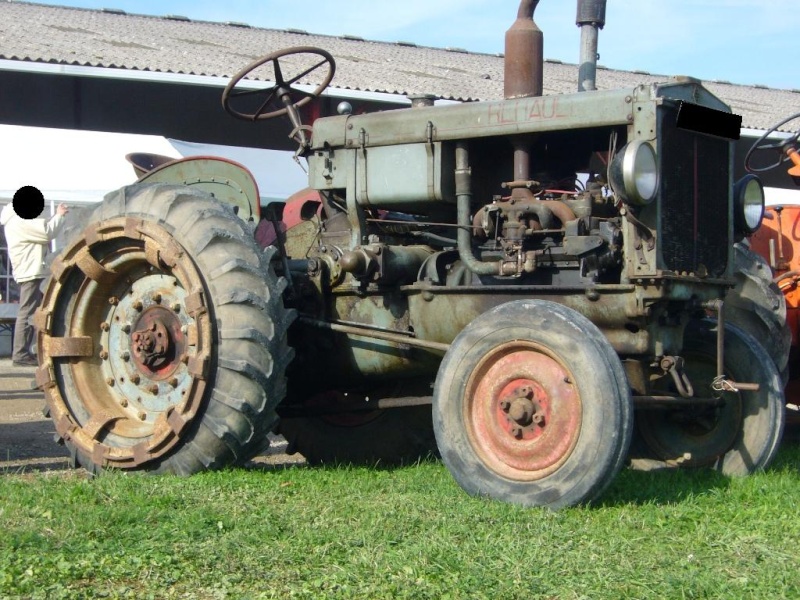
x=463 y=206
x=524 y=59
x=591 y=18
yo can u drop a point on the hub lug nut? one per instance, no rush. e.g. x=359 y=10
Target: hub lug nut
x=137 y=305
x=135 y=379
x=153 y=389
x=104 y=355
x=105 y=326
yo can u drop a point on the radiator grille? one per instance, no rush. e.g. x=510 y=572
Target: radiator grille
x=693 y=198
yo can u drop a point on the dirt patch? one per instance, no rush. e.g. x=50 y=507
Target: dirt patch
x=28 y=438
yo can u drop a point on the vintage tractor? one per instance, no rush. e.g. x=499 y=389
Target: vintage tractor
x=526 y=274
x=777 y=244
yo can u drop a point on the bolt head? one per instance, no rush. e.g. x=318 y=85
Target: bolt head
x=105 y=326
x=135 y=379
x=153 y=389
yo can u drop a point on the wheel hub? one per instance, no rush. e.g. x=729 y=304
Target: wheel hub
x=524 y=411
x=156 y=340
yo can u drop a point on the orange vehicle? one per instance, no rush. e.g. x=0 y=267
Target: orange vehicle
x=778 y=242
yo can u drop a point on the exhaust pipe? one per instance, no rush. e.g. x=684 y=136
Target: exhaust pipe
x=591 y=18
x=524 y=59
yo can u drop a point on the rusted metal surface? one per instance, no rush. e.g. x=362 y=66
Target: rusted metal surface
x=132 y=396
x=226 y=180
x=524 y=58
x=368 y=332
x=523 y=411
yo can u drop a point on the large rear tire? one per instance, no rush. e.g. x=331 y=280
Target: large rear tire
x=162 y=335
x=532 y=406
x=758 y=306
x=738 y=438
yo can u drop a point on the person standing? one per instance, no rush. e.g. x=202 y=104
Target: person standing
x=28 y=237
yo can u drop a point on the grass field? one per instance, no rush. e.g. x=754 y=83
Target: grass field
x=396 y=533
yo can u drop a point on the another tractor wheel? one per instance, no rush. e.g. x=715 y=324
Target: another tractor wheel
x=532 y=406
x=162 y=335
x=758 y=306
x=737 y=438
x=391 y=436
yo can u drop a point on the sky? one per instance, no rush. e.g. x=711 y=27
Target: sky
x=750 y=42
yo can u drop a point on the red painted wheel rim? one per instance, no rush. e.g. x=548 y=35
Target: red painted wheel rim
x=523 y=411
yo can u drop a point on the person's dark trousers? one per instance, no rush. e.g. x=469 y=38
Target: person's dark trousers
x=30 y=296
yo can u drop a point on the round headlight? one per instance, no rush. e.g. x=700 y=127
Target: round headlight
x=634 y=173
x=748 y=196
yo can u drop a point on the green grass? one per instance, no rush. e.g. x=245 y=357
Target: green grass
x=396 y=533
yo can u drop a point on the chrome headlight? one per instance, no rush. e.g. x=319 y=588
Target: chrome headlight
x=634 y=173
x=748 y=208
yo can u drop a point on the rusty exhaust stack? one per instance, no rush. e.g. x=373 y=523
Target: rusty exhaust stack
x=524 y=55
x=591 y=18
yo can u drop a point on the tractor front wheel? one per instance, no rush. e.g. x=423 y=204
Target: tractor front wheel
x=531 y=406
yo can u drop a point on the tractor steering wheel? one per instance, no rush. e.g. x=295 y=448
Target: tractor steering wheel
x=280 y=98
x=778 y=147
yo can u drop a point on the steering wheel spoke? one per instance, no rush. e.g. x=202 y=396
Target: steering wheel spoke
x=281 y=94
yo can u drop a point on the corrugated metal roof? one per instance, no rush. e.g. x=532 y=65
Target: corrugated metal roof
x=101 y=38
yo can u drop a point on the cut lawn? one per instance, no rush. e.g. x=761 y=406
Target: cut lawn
x=396 y=533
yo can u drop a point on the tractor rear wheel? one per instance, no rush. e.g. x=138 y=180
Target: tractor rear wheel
x=531 y=406
x=162 y=335
x=758 y=306
x=737 y=438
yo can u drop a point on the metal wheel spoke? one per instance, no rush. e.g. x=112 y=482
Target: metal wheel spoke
x=298 y=77
x=69 y=347
x=278 y=73
x=242 y=94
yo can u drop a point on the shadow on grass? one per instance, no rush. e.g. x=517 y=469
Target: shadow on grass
x=661 y=486
x=668 y=485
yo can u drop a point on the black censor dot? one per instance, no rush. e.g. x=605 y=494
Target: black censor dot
x=28 y=202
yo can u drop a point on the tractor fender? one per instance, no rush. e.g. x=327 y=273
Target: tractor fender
x=227 y=180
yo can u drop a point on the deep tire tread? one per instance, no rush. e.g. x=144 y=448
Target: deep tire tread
x=249 y=320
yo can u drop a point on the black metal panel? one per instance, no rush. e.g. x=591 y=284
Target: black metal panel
x=694 y=194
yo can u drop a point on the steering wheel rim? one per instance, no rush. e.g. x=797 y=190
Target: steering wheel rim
x=759 y=146
x=281 y=88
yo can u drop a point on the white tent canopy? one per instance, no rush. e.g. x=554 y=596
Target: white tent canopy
x=83 y=166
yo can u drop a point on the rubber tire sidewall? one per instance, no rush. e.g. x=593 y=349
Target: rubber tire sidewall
x=763 y=411
x=606 y=405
